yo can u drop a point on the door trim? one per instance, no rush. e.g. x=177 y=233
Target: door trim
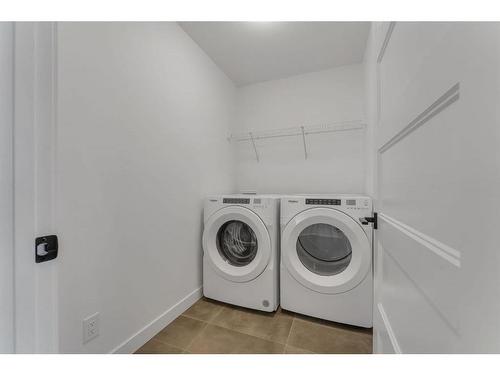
x=440 y=104
x=7 y=340
x=437 y=247
x=36 y=307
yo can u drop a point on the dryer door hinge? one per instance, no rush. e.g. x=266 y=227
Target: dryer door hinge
x=366 y=220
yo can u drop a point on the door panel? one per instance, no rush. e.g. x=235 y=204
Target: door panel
x=407 y=74
x=437 y=264
x=432 y=271
x=416 y=324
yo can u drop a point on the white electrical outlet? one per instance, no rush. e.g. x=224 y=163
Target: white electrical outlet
x=90 y=327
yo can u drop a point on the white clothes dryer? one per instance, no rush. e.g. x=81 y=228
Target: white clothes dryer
x=326 y=257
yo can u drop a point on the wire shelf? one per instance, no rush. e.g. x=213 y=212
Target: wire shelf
x=303 y=131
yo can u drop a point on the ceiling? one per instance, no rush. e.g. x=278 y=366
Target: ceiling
x=250 y=52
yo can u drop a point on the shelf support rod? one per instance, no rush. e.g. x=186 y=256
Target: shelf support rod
x=254 y=147
x=304 y=141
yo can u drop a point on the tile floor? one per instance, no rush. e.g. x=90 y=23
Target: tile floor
x=211 y=327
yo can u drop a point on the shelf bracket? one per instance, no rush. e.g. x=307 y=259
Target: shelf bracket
x=254 y=147
x=304 y=141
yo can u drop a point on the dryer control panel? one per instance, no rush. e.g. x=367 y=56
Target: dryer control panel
x=361 y=203
x=330 y=202
x=358 y=207
x=348 y=203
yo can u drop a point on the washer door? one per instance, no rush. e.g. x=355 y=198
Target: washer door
x=236 y=243
x=326 y=250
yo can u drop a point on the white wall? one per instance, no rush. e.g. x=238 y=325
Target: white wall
x=6 y=189
x=143 y=116
x=336 y=161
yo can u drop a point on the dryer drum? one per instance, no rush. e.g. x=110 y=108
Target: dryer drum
x=237 y=243
x=324 y=249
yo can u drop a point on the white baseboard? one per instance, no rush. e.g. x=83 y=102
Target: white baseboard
x=145 y=334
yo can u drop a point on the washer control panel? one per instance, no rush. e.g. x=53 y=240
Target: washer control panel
x=236 y=200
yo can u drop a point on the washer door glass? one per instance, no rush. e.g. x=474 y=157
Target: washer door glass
x=237 y=243
x=324 y=249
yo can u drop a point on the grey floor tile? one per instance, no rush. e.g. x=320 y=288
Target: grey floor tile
x=270 y=326
x=154 y=346
x=319 y=338
x=219 y=340
x=204 y=309
x=181 y=332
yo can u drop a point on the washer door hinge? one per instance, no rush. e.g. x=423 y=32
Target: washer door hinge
x=366 y=220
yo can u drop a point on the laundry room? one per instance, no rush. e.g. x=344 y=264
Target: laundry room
x=294 y=187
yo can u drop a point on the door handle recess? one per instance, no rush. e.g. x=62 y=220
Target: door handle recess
x=367 y=220
x=46 y=248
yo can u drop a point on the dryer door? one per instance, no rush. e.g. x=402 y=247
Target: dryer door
x=326 y=250
x=236 y=243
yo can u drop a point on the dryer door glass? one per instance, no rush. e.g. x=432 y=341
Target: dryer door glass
x=324 y=249
x=237 y=243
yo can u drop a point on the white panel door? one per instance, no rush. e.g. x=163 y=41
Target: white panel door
x=437 y=259
x=6 y=189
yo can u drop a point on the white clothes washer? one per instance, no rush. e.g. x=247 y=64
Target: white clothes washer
x=241 y=250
